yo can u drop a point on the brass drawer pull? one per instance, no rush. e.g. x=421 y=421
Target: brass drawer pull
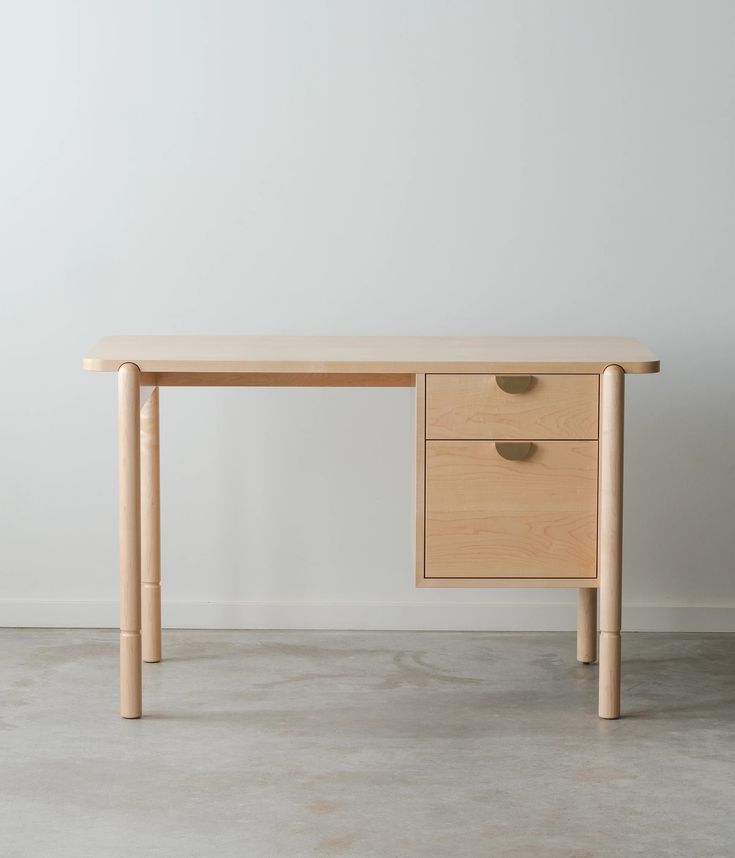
x=514 y=383
x=513 y=451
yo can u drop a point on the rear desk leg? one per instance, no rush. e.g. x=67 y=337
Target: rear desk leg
x=587 y=625
x=150 y=495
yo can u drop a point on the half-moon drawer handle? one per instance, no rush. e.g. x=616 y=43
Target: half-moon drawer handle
x=514 y=451
x=514 y=383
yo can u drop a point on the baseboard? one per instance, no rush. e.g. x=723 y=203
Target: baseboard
x=414 y=616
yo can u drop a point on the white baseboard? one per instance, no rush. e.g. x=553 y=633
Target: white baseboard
x=413 y=616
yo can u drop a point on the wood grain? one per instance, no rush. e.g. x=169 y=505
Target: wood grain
x=370 y=354
x=281 y=379
x=473 y=407
x=488 y=517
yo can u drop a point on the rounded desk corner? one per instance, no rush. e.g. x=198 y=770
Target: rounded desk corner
x=93 y=364
x=648 y=367
x=645 y=367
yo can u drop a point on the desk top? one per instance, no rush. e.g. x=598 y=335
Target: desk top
x=370 y=354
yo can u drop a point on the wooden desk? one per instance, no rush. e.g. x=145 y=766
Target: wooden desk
x=519 y=462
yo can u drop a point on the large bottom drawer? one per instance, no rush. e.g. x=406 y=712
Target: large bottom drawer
x=487 y=516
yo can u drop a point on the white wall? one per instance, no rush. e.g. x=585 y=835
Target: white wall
x=355 y=168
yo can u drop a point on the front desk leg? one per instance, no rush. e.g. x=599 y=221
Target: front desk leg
x=610 y=536
x=128 y=427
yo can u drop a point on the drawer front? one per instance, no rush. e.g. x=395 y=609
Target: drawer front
x=491 y=517
x=476 y=406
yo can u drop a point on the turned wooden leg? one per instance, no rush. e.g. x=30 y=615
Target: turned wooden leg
x=150 y=528
x=128 y=422
x=587 y=625
x=610 y=536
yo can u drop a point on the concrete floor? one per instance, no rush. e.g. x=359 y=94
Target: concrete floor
x=384 y=744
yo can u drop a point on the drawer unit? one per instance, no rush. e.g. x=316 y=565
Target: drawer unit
x=508 y=486
x=510 y=510
x=498 y=407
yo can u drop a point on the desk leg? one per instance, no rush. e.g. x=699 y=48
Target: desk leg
x=150 y=528
x=587 y=625
x=128 y=427
x=610 y=536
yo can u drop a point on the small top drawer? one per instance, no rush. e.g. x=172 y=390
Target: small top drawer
x=537 y=407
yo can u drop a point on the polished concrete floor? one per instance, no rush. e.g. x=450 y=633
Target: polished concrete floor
x=389 y=744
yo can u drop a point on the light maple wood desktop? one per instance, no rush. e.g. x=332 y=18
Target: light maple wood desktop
x=519 y=462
